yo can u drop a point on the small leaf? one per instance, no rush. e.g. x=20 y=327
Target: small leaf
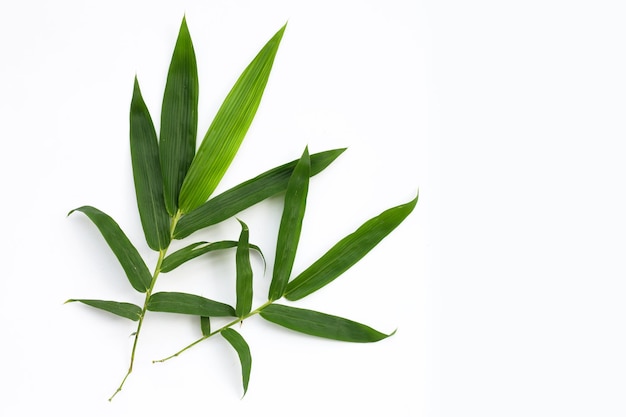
x=290 y=226
x=347 y=252
x=179 y=117
x=222 y=140
x=247 y=194
x=134 y=266
x=182 y=303
x=244 y=273
x=243 y=351
x=194 y=250
x=205 y=326
x=144 y=151
x=126 y=310
x=321 y=324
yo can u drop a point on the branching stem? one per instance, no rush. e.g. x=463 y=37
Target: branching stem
x=226 y=326
x=155 y=275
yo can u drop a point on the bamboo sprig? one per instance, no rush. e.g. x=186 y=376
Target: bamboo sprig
x=174 y=188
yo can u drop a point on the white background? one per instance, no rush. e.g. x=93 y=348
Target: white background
x=506 y=284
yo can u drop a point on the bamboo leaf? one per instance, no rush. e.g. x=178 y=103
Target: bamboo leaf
x=348 y=251
x=244 y=273
x=179 y=117
x=182 y=303
x=126 y=310
x=132 y=263
x=247 y=194
x=194 y=250
x=144 y=150
x=321 y=324
x=228 y=129
x=205 y=326
x=243 y=351
x=290 y=226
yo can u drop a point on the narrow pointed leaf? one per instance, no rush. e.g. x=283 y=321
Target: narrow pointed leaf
x=321 y=324
x=348 y=251
x=243 y=351
x=126 y=310
x=228 y=129
x=194 y=250
x=244 y=273
x=247 y=194
x=182 y=303
x=132 y=263
x=290 y=226
x=179 y=117
x=205 y=325
x=144 y=151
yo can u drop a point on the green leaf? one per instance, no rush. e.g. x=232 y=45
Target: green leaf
x=126 y=310
x=205 y=326
x=348 y=251
x=243 y=350
x=247 y=194
x=194 y=250
x=290 y=226
x=228 y=129
x=179 y=117
x=182 y=303
x=321 y=324
x=244 y=273
x=144 y=151
x=132 y=263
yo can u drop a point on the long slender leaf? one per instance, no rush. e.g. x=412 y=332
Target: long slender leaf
x=243 y=351
x=182 y=303
x=228 y=129
x=244 y=273
x=126 y=310
x=179 y=117
x=132 y=263
x=290 y=226
x=205 y=325
x=194 y=250
x=247 y=194
x=144 y=151
x=348 y=251
x=321 y=324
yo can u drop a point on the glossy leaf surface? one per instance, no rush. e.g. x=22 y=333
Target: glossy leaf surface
x=222 y=140
x=243 y=351
x=144 y=151
x=126 y=310
x=132 y=263
x=194 y=250
x=247 y=194
x=183 y=303
x=290 y=226
x=348 y=251
x=320 y=324
x=244 y=273
x=179 y=117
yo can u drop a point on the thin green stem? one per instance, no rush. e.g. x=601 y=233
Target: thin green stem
x=226 y=326
x=155 y=275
